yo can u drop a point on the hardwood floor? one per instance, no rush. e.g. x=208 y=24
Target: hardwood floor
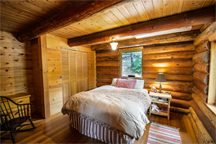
x=56 y=129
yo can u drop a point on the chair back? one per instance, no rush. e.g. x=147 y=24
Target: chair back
x=10 y=110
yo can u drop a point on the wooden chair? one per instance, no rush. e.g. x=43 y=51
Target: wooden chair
x=13 y=116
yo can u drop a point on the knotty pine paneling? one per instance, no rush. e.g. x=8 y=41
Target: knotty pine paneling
x=60 y=62
x=16 y=67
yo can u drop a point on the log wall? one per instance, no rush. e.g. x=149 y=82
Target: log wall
x=201 y=74
x=174 y=60
x=16 y=67
x=202 y=118
x=107 y=66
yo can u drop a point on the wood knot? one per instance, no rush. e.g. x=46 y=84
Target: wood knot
x=5 y=47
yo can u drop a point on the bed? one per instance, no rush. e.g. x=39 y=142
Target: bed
x=110 y=114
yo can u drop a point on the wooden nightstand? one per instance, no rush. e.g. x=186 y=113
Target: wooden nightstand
x=160 y=96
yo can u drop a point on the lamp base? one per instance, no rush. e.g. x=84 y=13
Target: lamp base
x=160 y=90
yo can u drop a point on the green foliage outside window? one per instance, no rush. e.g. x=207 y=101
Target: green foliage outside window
x=136 y=65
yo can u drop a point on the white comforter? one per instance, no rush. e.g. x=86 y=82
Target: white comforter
x=124 y=109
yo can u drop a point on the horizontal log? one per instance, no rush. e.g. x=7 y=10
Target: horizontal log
x=181 y=96
x=107 y=54
x=201 y=77
x=102 y=84
x=202 y=47
x=107 y=68
x=180 y=103
x=176 y=21
x=202 y=67
x=205 y=121
x=197 y=132
x=202 y=87
x=169 y=55
x=116 y=72
x=168 y=63
x=209 y=113
x=212 y=37
x=168 y=70
x=107 y=76
x=152 y=81
x=170 y=77
x=168 y=38
x=108 y=58
x=175 y=88
x=104 y=80
x=168 y=48
x=203 y=57
x=110 y=63
x=200 y=93
x=179 y=110
x=197 y=95
x=205 y=34
x=200 y=126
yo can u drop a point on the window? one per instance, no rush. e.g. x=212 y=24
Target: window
x=131 y=63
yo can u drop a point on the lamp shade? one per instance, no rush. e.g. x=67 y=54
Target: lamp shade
x=160 y=78
x=114 y=45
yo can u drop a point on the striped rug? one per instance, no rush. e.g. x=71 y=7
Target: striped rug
x=163 y=134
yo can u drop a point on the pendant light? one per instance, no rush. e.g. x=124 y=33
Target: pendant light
x=113 y=44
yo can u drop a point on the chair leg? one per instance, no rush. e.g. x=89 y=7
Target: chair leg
x=32 y=123
x=12 y=136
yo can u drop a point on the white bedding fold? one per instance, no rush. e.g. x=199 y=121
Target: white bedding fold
x=123 y=109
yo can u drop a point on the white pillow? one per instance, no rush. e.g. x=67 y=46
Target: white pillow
x=139 y=84
x=114 y=81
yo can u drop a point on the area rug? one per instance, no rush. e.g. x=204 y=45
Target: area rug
x=159 y=134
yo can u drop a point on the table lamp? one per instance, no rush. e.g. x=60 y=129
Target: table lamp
x=160 y=78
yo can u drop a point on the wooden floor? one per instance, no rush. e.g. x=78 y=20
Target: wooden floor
x=56 y=129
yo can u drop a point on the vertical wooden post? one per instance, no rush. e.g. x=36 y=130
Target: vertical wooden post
x=43 y=47
x=212 y=75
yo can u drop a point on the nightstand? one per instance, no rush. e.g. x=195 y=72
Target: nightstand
x=157 y=99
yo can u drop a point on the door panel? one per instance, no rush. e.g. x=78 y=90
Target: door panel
x=74 y=72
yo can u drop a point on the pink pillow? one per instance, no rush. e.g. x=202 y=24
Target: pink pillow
x=126 y=83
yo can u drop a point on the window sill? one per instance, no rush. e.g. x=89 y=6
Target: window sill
x=212 y=108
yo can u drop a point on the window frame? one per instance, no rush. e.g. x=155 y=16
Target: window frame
x=139 y=49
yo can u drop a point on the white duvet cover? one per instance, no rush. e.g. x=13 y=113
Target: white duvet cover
x=116 y=108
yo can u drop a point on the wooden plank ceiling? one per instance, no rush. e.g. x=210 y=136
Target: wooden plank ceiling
x=18 y=15
x=130 y=13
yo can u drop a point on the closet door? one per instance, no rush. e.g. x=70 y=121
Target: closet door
x=82 y=71
x=74 y=72
x=65 y=75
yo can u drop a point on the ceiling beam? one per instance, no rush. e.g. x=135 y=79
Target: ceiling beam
x=168 y=38
x=204 y=36
x=73 y=13
x=197 y=17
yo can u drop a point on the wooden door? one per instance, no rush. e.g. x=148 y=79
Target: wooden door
x=74 y=72
x=65 y=75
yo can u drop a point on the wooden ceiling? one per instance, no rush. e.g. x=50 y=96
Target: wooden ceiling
x=130 y=13
x=18 y=15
